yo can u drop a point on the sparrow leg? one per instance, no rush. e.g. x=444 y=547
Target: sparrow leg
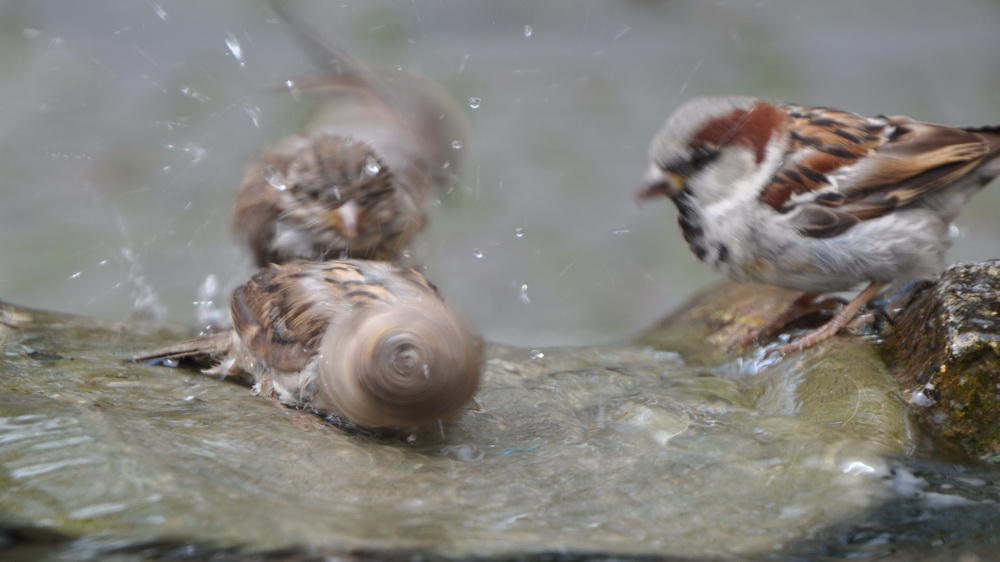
x=801 y=306
x=841 y=320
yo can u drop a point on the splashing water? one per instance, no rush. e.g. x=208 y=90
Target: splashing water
x=274 y=178
x=207 y=313
x=195 y=94
x=196 y=152
x=293 y=88
x=254 y=113
x=145 y=302
x=160 y=12
x=234 y=47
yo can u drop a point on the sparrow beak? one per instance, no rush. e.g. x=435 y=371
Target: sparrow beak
x=661 y=183
x=345 y=219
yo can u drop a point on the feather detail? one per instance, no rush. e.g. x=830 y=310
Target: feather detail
x=204 y=349
x=841 y=168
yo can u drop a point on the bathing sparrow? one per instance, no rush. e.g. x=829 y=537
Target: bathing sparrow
x=371 y=342
x=358 y=182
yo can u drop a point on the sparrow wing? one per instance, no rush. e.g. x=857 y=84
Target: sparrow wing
x=282 y=313
x=843 y=168
x=206 y=349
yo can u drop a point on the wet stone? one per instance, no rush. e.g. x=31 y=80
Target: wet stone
x=628 y=449
x=944 y=347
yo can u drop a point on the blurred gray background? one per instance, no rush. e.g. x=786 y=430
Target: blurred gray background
x=124 y=127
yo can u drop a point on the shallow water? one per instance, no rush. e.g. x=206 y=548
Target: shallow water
x=611 y=449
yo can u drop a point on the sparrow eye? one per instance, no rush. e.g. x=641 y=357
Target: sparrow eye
x=700 y=157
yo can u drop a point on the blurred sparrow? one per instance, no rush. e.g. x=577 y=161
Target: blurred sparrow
x=815 y=199
x=368 y=341
x=358 y=183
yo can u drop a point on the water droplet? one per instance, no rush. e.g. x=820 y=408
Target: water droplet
x=209 y=287
x=76 y=275
x=235 y=48
x=954 y=231
x=336 y=192
x=478 y=253
x=294 y=89
x=30 y=33
x=170 y=363
x=372 y=166
x=621 y=229
x=464 y=452
x=519 y=232
x=524 y=294
x=196 y=152
x=537 y=354
x=195 y=94
x=456 y=144
x=102 y=262
x=160 y=12
x=254 y=112
x=274 y=178
x=528 y=31
x=474 y=102
x=406 y=254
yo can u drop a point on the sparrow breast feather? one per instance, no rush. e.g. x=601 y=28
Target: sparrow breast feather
x=816 y=199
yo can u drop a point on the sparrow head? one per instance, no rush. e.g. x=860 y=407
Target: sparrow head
x=325 y=196
x=710 y=145
x=399 y=364
x=343 y=180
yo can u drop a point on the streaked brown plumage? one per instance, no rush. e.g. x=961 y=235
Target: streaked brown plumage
x=370 y=341
x=816 y=199
x=358 y=183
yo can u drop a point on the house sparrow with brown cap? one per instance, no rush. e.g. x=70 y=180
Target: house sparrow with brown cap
x=358 y=182
x=370 y=342
x=815 y=199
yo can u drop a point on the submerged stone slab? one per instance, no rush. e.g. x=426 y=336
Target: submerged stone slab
x=624 y=449
x=944 y=347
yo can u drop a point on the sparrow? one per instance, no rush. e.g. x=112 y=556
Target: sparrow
x=816 y=199
x=370 y=342
x=358 y=181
